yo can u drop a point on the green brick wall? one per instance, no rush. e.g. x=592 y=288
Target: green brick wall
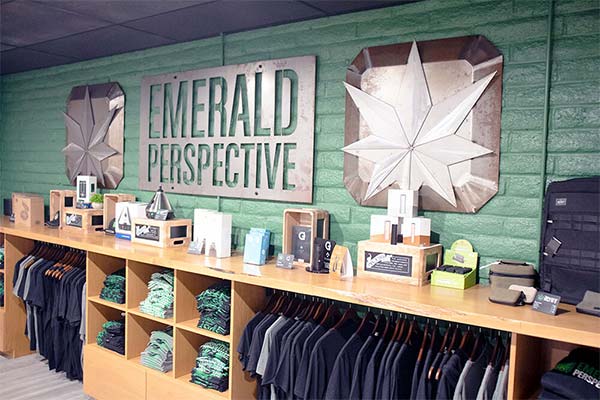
x=32 y=129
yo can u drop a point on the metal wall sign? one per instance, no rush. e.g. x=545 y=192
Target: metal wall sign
x=243 y=130
x=425 y=116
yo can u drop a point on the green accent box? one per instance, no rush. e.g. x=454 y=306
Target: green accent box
x=460 y=254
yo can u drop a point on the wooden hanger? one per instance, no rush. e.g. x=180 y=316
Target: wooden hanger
x=291 y=308
x=399 y=329
x=388 y=330
x=379 y=326
x=476 y=346
x=366 y=325
x=349 y=315
x=446 y=340
x=319 y=312
x=466 y=340
x=495 y=350
x=423 y=342
x=272 y=303
x=413 y=329
x=331 y=315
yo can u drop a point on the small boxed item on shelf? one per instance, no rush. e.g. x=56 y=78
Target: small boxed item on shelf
x=381 y=227
x=110 y=208
x=460 y=267
x=59 y=200
x=171 y=233
x=416 y=231
x=402 y=203
x=399 y=263
x=28 y=209
x=86 y=187
x=126 y=212
x=256 y=246
x=83 y=220
x=300 y=228
x=212 y=233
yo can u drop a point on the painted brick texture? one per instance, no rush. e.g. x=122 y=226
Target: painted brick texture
x=32 y=128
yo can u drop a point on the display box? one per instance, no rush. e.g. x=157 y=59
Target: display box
x=403 y=203
x=460 y=254
x=126 y=212
x=256 y=246
x=86 y=187
x=398 y=263
x=171 y=233
x=310 y=223
x=110 y=205
x=416 y=231
x=83 y=220
x=381 y=227
x=59 y=200
x=28 y=209
x=212 y=233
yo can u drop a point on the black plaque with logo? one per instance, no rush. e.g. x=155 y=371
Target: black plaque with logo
x=74 y=220
x=148 y=232
x=301 y=241
x=391 y=264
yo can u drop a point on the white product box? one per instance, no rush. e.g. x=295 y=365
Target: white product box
x=416 y=231
x=381 y=227
x=86 y=187
x=125 y=213
x=403 y=203
x=212 y=232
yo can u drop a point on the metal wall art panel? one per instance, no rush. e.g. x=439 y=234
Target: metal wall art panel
x=425 y=116
x=242 y=130
x=94 y=122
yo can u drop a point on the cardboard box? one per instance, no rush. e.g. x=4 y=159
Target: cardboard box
x=460 y=254
x=256 y=246
x=126 y=212
x=28 y=209
x=416 y=231
x=110 y=205
x=171 y=233
x=59 y=200
x=86 y=187
x=403 y=203
x=398 y=263
x=83 y=220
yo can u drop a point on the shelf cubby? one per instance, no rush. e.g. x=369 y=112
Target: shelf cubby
x=139 y=329
x=187 y=286
x=99 y=266
x=187 y=344
x=137 y=277
x=97 y=315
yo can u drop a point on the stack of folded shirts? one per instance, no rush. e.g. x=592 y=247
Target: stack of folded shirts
x=112 y=336
x=159 y=353
x=159 y=302
x=114 y=287
x=212 y=366
x=214 y=305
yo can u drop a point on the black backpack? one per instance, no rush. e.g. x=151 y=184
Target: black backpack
x=570 y=248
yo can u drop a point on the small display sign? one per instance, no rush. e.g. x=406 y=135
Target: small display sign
x=74 y=220
x=285 y=261
x=388 y=263
x=546 y=303
x=148 y=232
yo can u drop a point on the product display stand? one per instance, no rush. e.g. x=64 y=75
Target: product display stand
x=538 y=340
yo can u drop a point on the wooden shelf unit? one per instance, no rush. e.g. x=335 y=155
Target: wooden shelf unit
x=538 y=340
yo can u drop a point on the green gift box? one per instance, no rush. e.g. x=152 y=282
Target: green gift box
x=460 y=254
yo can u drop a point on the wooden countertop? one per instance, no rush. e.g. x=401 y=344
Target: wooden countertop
x=469 y=307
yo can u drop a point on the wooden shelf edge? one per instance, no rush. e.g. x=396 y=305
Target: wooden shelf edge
x=107 y=351
x=98 y=300
x=190 y=326
x=136 y=311
x=213 y=394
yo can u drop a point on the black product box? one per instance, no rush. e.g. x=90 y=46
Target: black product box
x=301 y=241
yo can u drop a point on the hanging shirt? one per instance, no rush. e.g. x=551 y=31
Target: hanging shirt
x=471 y=375
x=450 y=373
x=403 y=368
x=384 y=378
x=243 y=348
x=340 y=379
x=323 y=357
x=268 y=343
x=490 y=377
x=502 y=384
x=426 y=385
x=360 y=367
x=257 y=341
x=302 y=375
x=373 y=366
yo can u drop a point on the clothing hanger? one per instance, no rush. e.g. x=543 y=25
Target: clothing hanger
x=423 y=342
x=349 y=315
x=331 y=315
x=398 y=329
x=495 y=350
x=388 y=329
x=319 y=311
x=443 y=348
x=291 y=307
x=272 y=303
x=379 y=326
x=466 y=339
x=366 y=325
x=476 y=346
x=413 y=329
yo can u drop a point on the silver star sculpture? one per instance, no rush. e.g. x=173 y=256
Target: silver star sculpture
x=413 y=142
x=86 y=149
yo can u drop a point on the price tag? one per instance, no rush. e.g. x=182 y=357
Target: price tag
x=546 y=303
x=285 y=261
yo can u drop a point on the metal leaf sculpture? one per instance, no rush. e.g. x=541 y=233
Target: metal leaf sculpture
x=94 y=122
x=420 y=127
